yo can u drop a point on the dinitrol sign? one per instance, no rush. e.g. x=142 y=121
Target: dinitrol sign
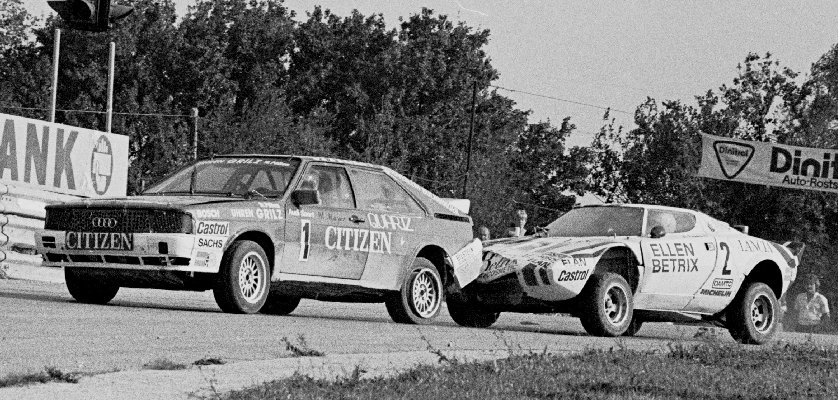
x=769 y=164
x=62 y=158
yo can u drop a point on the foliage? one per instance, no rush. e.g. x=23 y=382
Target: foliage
x=687 y=371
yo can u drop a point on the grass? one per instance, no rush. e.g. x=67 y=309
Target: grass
x=49 y=374
x=703 y=371
x=301 y=349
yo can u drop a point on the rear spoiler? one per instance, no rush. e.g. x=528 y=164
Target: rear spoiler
x=464 y=205
x=796 y=248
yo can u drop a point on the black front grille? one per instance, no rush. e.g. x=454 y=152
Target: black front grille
x=117 y=220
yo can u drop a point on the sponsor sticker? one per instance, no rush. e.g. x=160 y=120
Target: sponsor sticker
x=212 y=243
x=208 y=213
x=733 y=157
x=99 y=241
x=719 y=293
x=722 y=283
x=390 y=222
x=212 y=228
x=202 y=258
x=673 y=257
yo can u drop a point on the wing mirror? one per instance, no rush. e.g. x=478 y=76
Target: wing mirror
x=657 y=232
x=302 y=197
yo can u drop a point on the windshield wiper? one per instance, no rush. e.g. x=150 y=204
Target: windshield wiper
x=250 y=193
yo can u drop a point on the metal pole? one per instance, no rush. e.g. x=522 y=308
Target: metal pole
x=470 y=134
x=56 y=44
x=195 y=133
x=109 y=114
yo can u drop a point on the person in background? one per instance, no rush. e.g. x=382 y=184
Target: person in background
x=484 y=234
x=518 y=227
x=812 y=307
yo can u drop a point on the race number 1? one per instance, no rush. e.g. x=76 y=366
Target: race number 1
x=305 y=239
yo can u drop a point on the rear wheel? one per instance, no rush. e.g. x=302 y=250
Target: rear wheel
x=466 y=315
x=752 y=317
x=420 y=297
x=242 y=285
x=280 y=305
x=88 y=290
x=607 y=305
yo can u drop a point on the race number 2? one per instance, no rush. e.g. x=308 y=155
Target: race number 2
x=305 y=239
x=723 y=246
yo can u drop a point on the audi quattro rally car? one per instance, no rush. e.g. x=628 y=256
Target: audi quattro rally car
x=616 y=266
x=262 y=232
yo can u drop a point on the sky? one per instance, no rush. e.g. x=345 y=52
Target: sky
x=562 y=58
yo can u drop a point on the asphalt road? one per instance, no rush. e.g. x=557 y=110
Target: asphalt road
x=40 y=326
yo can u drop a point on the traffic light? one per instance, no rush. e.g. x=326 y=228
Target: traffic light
x=89 y=15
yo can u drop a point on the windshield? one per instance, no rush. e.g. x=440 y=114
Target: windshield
x=598 y=221
x=265 y=177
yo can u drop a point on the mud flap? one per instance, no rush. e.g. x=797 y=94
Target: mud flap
x=468 y=262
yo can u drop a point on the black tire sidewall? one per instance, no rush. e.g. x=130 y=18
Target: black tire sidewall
x=741 y=324
x=280 y=305
x=87 y=290
x=466 y=315
x=594 y=319
x=400 y=306
x=227 y=292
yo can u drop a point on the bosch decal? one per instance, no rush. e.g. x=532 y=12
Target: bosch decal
x=202 y=214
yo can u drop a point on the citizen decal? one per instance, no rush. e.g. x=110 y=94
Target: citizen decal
x=354 y=239
x=99 y=241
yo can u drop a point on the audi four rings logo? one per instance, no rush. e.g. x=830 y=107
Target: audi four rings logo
x=101 y=222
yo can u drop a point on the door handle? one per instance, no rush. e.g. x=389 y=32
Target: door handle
x=356 y=219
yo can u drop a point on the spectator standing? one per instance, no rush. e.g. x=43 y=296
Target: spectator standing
x=812 y=307
x=518 y=227
x=484 y=234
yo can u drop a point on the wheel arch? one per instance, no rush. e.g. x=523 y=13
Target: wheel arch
x=622 y=261
x=436 y=255
x=767 y=272
x=260 y=238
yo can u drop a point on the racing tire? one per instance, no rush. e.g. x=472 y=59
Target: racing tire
x=634 y=326
x=242 y=284
x=280 y=305
x=607 y=305
x=420 y=298
x=469 y=316
x=753 y=315
x=87 y=290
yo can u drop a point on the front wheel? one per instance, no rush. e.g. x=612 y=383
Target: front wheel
x=607 y=305
x=86 y=289
x=634 y=326
x=473 y=317
x=420 y=297
x=752 y=317
x=242 y=285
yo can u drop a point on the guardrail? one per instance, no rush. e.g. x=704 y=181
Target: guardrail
x=22 y=212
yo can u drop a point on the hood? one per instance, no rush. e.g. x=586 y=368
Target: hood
x=149 y=202
x=530 y=245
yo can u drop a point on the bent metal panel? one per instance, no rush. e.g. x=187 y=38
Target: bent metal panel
x=62 y=159
x=769 y=164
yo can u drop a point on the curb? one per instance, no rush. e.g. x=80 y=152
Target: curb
x=210 y=381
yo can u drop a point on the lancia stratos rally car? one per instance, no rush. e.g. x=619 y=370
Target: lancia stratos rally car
x=262 y=232
x=617 y=266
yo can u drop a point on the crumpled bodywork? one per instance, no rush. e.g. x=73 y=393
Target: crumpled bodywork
x=550 y=269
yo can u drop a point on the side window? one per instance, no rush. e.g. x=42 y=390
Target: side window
x=671 y=221
x=332 y=184
x=377 y=191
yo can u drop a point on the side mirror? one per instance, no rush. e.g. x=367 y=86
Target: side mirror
x=302 y=197
x=657 y=232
